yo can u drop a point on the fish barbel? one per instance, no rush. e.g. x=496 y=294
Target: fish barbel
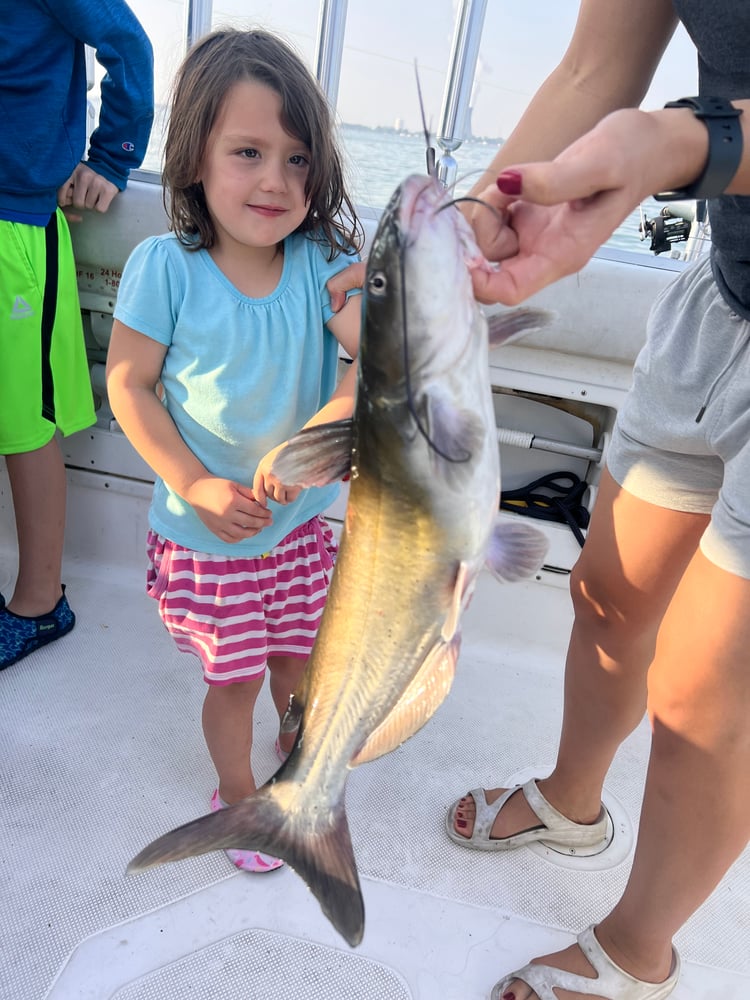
x=421 y=521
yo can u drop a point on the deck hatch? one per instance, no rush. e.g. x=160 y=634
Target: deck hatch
x=261 y=965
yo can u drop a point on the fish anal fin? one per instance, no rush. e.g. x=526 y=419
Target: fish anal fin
x=316 y=456
x=320 y=852
x=516 y=550
x=417 y=704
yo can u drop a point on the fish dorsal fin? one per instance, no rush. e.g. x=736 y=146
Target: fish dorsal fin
x=455 y=434
x=417 y=704
x=516 y=550
x=502 y=327
x=316 y=456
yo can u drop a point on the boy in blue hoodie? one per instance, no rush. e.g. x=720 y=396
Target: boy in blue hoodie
x=44 y=376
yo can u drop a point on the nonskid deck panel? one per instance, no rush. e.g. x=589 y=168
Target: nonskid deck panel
x=102 y=750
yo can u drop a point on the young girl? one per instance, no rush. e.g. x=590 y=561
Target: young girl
x=229 y=314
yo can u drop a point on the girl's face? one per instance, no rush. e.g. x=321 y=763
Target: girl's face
x=253 y=172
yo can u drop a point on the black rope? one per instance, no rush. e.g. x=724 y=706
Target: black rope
x=562 y=503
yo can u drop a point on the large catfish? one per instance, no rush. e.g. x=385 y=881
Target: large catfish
x=421 y=521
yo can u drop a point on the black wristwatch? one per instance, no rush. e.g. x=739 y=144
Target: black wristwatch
x=724 y=147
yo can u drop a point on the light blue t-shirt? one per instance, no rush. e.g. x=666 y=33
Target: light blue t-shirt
x=240 y=375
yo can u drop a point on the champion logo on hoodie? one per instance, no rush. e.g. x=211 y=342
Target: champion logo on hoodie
x=129 y=147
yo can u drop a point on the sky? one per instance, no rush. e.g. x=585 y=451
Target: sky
x=521 y=44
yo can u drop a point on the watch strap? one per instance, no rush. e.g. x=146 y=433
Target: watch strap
x=721 y=119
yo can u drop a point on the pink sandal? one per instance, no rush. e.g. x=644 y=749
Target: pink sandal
x=246 y=861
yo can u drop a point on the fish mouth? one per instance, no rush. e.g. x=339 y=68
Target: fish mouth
x=419 y=199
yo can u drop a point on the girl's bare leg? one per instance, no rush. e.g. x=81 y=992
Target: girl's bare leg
x=228 y=730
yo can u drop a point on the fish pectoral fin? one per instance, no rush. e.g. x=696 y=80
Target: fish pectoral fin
x=316 y=456
x=502 y=327
x=516 y=550
x=419 y=702
x=455 y=434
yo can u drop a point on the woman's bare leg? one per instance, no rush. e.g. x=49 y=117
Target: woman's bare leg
x=621 y=586
x=695 y=819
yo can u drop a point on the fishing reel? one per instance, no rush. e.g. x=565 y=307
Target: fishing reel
x=673 y=224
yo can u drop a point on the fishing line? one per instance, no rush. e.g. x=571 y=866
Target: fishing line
x=429 y=148
x=463 y=177
x=477 y=201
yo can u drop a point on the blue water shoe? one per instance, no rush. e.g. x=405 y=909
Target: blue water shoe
x=20 y=635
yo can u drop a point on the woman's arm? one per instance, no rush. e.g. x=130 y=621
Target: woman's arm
x=559 y=213
x=609 y=64
x=134 y=364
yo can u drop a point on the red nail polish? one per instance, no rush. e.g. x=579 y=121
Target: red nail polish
x=509 y=996
x=509 y=182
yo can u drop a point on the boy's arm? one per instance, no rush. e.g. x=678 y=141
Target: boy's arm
x=118 y=144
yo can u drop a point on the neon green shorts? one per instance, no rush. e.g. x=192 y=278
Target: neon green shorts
x=44 y=374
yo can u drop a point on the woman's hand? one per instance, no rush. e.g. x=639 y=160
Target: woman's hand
x=552 y=217
x=229 y=510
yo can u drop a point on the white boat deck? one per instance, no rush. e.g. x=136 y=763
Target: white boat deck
x=102 y=751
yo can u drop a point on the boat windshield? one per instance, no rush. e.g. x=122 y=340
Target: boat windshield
x=471 y=103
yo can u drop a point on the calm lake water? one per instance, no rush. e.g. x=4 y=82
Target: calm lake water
x=378 y=160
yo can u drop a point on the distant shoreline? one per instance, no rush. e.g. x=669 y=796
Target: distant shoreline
x=392 y=130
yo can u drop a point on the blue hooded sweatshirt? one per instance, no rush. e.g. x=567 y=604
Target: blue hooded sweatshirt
x=43 y=98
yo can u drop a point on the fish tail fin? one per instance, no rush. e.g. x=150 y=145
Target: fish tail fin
x=321 y=853
x=324 y=860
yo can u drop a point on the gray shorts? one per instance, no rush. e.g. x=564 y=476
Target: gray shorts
x=682 y=437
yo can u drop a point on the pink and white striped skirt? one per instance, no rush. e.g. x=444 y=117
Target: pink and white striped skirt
x=233 y=613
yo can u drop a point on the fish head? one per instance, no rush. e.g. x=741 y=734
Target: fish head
x=419 y=306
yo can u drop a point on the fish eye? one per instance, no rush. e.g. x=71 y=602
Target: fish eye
x=377 y=284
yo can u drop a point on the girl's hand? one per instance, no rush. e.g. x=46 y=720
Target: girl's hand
x=229 y=510
x=343 y=282
x=265 y=485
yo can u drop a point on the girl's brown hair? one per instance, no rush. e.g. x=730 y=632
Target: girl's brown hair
x=209 y=70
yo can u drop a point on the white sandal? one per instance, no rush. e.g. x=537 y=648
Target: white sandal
x=611 y=982
x=554 y=828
